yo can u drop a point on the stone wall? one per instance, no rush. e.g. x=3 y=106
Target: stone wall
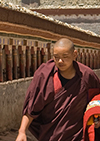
x=16 y=2
x=55 y=3
x=67 y=3
x=87 y=22
x=12 y=94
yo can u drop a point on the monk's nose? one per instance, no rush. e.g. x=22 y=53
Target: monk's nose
x=60 y=60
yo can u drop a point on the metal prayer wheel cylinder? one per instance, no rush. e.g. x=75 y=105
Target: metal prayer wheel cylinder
x=42 y=55
x=83 y=56
x=48 y=50
x=32 y=61
x=98 y=58
x=95 y=60
x=79 y=55
x=14 y=54
x=51 y=50
x=1 y=68
x=35 y=58
x=87 y=58
x=9 y=66
x=27 y=61
x=22 y=65
x=91 y=59
x=21 y=62
x=38 y=57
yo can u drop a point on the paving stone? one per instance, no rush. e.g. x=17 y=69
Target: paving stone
x=11 y=136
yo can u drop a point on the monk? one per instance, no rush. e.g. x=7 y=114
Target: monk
x=57 y=97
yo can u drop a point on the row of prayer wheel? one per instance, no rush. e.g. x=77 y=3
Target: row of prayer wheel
x=89 y=57
x=20 y=58
x=20 y=61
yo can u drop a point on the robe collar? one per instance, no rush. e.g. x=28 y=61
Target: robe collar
x=76 y=66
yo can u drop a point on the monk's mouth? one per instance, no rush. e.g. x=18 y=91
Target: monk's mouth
x=60 y=65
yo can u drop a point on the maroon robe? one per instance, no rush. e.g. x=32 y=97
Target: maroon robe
x=58 y=111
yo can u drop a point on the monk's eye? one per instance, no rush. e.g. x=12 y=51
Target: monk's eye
x=56 y=57
x=65 y=56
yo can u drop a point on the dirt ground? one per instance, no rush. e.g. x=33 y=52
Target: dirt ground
x=11 y=136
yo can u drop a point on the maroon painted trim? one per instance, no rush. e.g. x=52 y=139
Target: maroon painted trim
x=70 y=11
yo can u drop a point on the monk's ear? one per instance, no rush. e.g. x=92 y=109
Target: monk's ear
x=75 y=54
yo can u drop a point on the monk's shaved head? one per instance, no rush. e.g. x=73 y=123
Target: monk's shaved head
x=64 y=43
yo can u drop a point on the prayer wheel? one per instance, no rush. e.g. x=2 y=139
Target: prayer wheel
x=1 y=68
x=38 y=57
x=27 y=61
x=21 y=62
x=33 y=60
x=87 y=58
x=80 y=56
x=42 y=56
x=95 y=60
x=99 y=59
x=83 y=57
x=91 y=59
x=9 y=66
x=14 y=54
x=49 y=53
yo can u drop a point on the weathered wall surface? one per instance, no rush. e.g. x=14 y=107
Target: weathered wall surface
x=87 y=22
x=12 y=96
x=16 y=2
x=69 y=3
x=55 y=3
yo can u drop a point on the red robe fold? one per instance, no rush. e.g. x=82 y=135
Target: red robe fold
x=58 y=111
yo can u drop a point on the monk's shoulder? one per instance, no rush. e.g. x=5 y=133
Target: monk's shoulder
x=84 y=68
x=45 y=68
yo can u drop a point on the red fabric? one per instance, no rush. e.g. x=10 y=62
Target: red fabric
x=90 y=135
x=57 y=83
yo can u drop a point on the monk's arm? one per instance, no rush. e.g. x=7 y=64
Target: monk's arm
x=26 y=121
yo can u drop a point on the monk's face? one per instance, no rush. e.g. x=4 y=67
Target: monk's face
x=63 y=58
